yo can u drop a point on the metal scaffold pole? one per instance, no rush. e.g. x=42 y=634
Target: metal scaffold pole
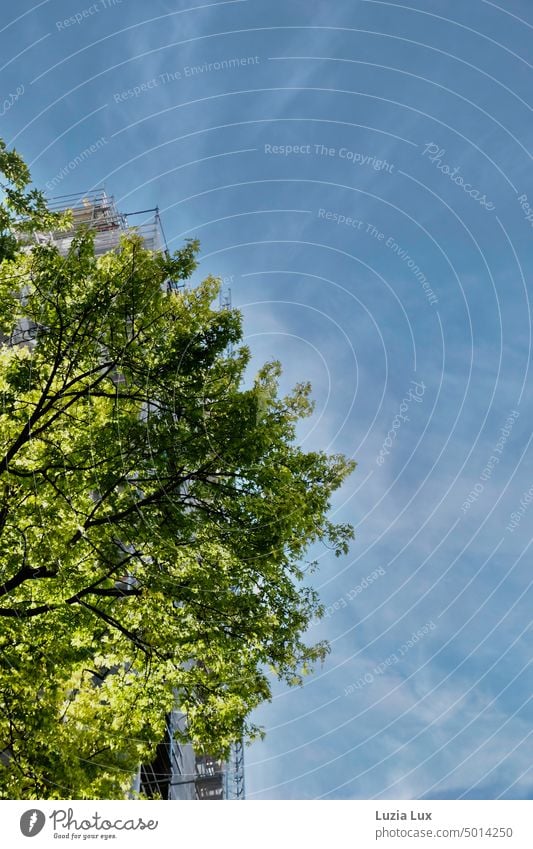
x=235 y=787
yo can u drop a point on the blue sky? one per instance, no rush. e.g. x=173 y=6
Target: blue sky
x=361 y=175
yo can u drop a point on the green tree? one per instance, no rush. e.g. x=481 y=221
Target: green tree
x=22 y=209
x=154 y=514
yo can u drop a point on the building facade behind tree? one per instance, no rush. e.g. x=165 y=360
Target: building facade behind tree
x=176 y=772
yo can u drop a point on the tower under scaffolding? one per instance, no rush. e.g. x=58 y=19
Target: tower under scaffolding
x=176 y=771
x=98 y=211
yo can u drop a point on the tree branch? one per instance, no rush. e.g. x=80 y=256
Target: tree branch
x=25 y=574
x=20 y=613
x=110 y=620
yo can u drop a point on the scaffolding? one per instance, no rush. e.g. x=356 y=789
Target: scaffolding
x=167 y=776
x=235 y=788
x=225 y=303
x=210 y=778
x=97 y=211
